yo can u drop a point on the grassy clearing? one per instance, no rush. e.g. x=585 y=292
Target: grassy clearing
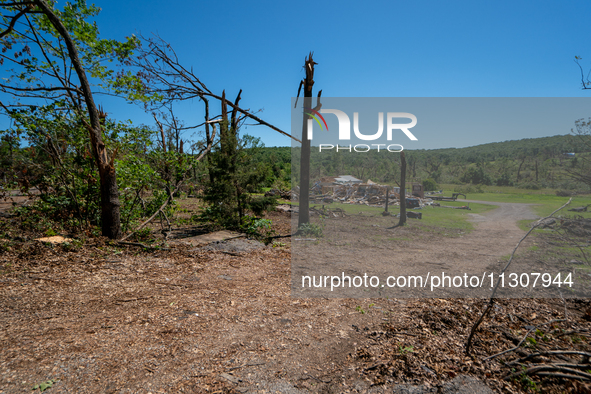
x=453 y=218
x=435 y=219
x=545 y=200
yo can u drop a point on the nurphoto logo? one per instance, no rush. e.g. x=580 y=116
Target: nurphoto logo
x=344 y=131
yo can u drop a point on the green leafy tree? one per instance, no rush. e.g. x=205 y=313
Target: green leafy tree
x=580 y=170
x=54 y=59
x=234 y=176
x=477 y=176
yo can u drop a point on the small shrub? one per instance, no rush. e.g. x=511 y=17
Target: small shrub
x=258 y=228
x=310 y=229
x=260 y=205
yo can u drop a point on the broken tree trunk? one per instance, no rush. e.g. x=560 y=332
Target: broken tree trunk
x=402 y=220
x=308 y=83
x=110 y=215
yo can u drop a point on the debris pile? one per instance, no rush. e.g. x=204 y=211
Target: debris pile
x=579 y=226
x=373 y=195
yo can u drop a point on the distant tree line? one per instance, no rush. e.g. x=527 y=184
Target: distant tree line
x=531 y=163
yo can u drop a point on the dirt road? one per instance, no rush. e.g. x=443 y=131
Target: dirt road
x=361 y=245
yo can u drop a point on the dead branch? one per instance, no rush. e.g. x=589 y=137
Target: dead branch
x=169 y=78
x=168 y=200
x=576 y=374
x=522 y=340
x=140 y=245
x=586 y=355
x=492 y=297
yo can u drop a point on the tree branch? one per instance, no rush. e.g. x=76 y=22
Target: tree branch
x=492 y=297
x=14 y=18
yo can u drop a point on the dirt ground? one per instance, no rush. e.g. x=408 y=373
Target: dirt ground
x=102 y=318
x=367 y=244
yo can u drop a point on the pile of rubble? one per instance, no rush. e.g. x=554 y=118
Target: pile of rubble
x=371 y=194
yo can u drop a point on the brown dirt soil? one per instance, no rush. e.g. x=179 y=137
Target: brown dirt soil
x=101 y=318
x=365 y=243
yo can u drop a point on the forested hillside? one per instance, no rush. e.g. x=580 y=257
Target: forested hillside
x=531 y=163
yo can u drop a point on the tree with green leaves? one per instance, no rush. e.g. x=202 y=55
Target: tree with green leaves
x=582 y=135
x=234 y=175
x=54 y=58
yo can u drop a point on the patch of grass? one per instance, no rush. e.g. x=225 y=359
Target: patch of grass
x=456 y=219
x=406 y=349
x=44 y=385
x=445 y=221
x=544 y=201
x=311 y=230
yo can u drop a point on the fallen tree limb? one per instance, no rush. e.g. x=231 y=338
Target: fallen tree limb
x=492 y=297
x=546 y=368
x=554 y=353
x=522 y=340
x=140 y=245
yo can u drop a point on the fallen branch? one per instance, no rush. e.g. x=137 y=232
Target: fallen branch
x=522 y=340
x=140 y=245
x=40 y=278
x=492 y=297
x=544 y=369
x=561 y=375
x=554 y=353
x=168 y=200
x=133 y=299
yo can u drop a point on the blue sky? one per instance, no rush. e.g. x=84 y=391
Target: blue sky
x=363 y=49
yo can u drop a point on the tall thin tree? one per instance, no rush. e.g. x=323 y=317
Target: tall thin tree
x=307 y=84
x=402 y=220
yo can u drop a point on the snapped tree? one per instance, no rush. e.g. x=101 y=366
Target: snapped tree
x=55 y=52
x=307 y=83
x=164 y=77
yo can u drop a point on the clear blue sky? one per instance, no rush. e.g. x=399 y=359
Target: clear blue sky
x=363 y=49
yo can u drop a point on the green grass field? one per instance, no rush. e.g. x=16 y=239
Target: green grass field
x=546 y=201
x=438 y=219
x=434 y=218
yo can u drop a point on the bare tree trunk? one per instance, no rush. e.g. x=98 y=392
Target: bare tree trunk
x=304 y=209
x=519 y=170
x=402 y=220
x=110 y=216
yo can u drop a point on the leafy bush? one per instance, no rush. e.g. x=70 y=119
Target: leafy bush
x=260 y=205
x=504 y=180
x=258 y=228
x=430 y=185
x=531 y=186
x=311 y=230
